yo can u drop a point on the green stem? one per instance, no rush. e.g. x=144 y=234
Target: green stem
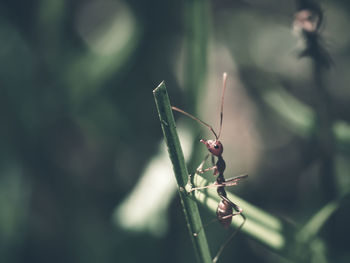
x=190 y=207
x=197 y=21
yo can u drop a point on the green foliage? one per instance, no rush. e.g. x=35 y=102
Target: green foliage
x=80 y=134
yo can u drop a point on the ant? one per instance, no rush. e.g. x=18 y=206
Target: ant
x=226 y=208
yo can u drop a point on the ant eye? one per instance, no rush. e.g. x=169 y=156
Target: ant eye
x=216 y=146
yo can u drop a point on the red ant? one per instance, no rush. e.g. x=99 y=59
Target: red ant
x=226 y=208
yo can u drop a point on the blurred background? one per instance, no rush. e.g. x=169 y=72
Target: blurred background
x=84 y=175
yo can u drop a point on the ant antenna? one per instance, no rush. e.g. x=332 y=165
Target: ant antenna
x=196 y=119
x=222 y=102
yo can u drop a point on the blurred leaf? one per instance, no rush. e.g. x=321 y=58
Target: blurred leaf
x=342 y=133
x=314 y=225
x=111 y=37
x=145 y=208
x=14 y=205
x=299 y=117
x=294 y=114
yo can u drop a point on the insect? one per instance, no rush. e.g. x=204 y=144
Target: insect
x=226 y=208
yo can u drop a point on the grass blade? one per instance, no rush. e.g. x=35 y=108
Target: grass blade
x=190 y=207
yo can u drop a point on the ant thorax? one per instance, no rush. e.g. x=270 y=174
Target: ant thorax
x=214 y=146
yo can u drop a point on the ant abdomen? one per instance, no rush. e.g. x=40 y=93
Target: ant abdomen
x=224 y=213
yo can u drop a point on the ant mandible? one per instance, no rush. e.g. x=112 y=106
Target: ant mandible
x=226 y=208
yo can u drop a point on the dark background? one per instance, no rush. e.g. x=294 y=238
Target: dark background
x=79 y=125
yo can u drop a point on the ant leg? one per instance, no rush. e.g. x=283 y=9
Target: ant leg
x=198 y=170
x=213 y=167
x=207 y=186
x=212 y=160
x=238 y=212
x=234 y=206
x=206 y=169
x=200 y=167
x=234 y=180
x=228 y=240
x=230 y=182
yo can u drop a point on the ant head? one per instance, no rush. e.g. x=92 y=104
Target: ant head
x=214 y=146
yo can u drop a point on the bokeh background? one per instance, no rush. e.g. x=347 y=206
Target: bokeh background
x=84 y=176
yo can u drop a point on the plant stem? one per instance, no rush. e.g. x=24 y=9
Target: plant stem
x=324 y=136
x=197 y=21
x=324 y=132
x=190 y=207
